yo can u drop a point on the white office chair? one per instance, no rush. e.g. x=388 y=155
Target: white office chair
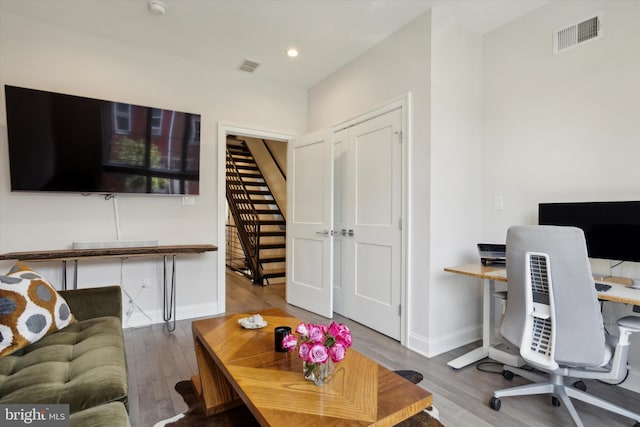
x=553 y=315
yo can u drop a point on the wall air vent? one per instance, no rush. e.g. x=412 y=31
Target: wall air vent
x=248 y=65
x=577 y=34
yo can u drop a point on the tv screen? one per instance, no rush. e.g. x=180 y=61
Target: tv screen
x=611 y=229
x=68 y=143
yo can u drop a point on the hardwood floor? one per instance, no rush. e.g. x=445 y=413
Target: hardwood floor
x=158 y=359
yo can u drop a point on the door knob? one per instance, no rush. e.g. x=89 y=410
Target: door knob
x=350 y=232
x=323 y=233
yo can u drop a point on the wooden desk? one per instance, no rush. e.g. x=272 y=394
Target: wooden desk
x=237 y=365
x=64 y=255
x=619 y=292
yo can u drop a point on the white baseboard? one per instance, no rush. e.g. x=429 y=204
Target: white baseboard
x=431 y=348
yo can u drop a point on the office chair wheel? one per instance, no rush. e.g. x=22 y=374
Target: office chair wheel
x=555 y=401
x=507 y=375
x=494 y=403
x=580 y=385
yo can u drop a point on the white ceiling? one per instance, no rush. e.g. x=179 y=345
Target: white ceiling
x=328 y=33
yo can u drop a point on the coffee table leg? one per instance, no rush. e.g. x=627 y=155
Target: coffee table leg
x=215 y=392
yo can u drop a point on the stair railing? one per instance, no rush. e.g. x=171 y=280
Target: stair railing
x=245 y=217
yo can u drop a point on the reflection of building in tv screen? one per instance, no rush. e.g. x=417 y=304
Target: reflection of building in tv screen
x=67 y=143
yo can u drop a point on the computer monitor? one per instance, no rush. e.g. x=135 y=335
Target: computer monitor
x=611 y=229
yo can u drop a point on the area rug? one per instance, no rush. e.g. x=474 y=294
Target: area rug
x=242 y=417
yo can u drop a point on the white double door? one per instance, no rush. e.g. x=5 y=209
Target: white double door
x=344 y=228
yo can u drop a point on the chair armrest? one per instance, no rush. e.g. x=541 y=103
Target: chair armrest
x=630 y=322
x=88 y=303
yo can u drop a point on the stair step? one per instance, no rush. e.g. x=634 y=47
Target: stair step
x=276 y=272
x=252 y=192
x=275 y=258
x=263 y=202
x=237 y=149
x=259 y=211
x=243 y=167
x=273 y=233
x=272 y=222
x=247 y=174
x=272 y=246
x=243 y=160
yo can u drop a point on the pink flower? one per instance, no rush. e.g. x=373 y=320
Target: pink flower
x=303 y=350
x=335 y=328
x=345 y=340
x=316 y=334
x=337 y=352
x=289 y=342
x=302 y=329
x=318 y=354
x=341 y=333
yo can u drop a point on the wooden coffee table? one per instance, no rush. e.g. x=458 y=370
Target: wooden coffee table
x=240 y=366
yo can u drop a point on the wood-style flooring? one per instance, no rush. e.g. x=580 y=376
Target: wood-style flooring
x=158 y=359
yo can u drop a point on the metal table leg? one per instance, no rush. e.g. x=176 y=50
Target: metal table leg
x=169 y=296
x=64 y=275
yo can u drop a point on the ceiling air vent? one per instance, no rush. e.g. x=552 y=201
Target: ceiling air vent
x=574 y=35
x=248 y=65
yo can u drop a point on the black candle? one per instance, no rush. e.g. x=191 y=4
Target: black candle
x=280 y=333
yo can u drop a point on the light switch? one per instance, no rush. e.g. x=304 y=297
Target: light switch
x=498 y=203
x=188 y=200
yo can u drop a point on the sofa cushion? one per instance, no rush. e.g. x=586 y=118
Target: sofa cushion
x=30 y=308
x=112 y=414
x=83 y=365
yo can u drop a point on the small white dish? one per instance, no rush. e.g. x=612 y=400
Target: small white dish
x=252 y=322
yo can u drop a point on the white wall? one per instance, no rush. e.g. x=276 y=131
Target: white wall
x=454 y=301
x=37 y=55
x=565 y=127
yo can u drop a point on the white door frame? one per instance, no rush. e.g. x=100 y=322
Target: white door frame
x=225 y=129
x=404 y=102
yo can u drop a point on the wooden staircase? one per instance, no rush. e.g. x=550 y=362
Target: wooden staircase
x=259 y=222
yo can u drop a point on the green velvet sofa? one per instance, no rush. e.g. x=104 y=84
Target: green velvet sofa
x=83 y=365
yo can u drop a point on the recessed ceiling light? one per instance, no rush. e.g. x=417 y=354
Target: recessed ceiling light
x=292 y=52
x=157 y=7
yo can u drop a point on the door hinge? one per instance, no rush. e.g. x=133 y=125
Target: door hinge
x=400 y=310
x=399 y=133
x=400 y=223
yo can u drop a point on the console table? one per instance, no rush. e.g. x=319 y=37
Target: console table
x=64 y=255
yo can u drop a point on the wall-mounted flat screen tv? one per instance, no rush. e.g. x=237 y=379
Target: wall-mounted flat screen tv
x=611 y=229
x=68 y=143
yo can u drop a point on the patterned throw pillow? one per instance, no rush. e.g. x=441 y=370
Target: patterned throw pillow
x=30 y=308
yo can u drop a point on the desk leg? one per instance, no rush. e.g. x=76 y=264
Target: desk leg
x=169 y=296
x=488 y=325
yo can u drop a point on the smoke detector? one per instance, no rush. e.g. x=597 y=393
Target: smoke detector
x=157 y=7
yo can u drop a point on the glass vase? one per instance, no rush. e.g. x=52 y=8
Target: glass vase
x=319 y=373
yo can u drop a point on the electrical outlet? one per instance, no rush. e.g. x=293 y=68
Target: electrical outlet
x=636 y=308
x=188 y=200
